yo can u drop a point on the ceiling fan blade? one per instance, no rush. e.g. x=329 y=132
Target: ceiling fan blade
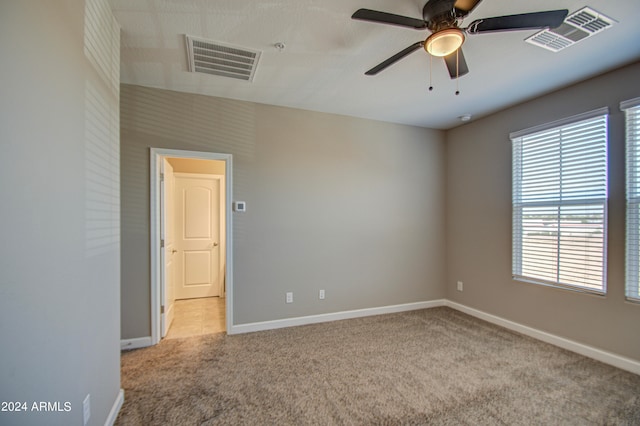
x=457 y=66
x=435 y=8
x=395 y=58
x=388 y=18
x=525 y=21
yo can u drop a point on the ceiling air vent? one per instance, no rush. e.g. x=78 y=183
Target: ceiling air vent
x=225 y=60
x=577 y=26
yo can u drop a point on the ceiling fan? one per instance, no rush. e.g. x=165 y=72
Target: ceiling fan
x=443 y=19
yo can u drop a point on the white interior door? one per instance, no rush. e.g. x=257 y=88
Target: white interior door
x=197 y=235
x=169 y=250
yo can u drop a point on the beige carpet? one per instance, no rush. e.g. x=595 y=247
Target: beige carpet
x=434 y=366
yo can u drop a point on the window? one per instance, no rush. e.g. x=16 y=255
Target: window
x=632 y=113
x=560 y=203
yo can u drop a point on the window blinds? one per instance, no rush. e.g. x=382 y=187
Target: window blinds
x=560 y=203
x=632 y=113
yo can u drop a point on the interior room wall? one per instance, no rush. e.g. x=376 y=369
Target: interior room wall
x=60 y=257
x=479 y=221
x=351 y=206
x=190 y=165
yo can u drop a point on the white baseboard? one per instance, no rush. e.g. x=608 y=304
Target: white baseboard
x=140 y=342
x=334 y=316
x=627 y=364
x=117 y=405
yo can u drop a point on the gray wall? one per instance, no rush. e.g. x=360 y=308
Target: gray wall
x=479 y=221
x=351 y=206
x=60 y=254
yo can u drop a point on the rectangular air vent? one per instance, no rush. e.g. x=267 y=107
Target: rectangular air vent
x=225 y=60
x=576 y=27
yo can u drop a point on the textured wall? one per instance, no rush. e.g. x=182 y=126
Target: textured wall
x=479 y=221
x=348 y=205
x=59 y=174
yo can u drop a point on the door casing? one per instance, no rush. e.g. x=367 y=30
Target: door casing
x=167 y=296
x=156 y=157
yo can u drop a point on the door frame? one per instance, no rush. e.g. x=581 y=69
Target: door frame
x=157 y=270
x=165 y=322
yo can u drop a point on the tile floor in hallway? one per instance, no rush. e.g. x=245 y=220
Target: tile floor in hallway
x=194 y=317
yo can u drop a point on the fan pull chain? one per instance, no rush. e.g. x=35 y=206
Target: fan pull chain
x=430 y=61
x=457 y=72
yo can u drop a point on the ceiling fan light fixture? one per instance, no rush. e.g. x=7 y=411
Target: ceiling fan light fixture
x=444 y=42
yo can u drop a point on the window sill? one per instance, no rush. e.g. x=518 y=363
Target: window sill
x=565 y=287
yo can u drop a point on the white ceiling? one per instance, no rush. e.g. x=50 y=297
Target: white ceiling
x=322 y=67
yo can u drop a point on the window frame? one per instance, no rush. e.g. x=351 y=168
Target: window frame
x=519 y=204
x=632 y=201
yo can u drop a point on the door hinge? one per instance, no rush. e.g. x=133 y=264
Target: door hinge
x=161 y=177
x=161 y=243
x=162 y=309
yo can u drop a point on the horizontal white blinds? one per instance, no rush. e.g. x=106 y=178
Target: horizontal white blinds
x=560 y=204
x=633 y=200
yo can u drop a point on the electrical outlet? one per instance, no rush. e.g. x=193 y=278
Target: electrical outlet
x=321 y=294
x=460 y=285
x=86 y=409
x=289 y=297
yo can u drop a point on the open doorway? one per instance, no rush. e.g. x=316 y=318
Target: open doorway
x=191 y=238
x=194 y=241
